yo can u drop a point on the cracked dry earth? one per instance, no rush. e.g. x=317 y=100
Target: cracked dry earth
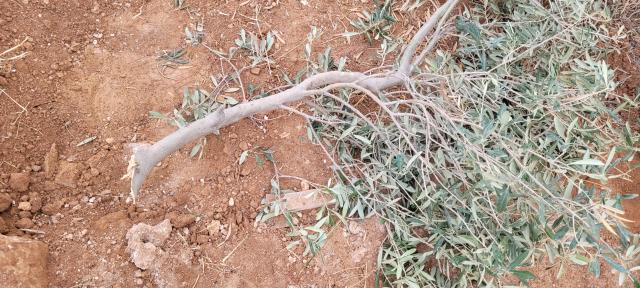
x=92 y=71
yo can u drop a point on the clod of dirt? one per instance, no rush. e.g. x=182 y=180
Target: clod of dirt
x=19 y=181
x=68 y=174
x=144 y=242
x=24 y=223
x=23 y=262
x=111 y=221
x=238 y=217
x=5 y=201
x=53 y=207
x=180 y=220
x=245 y=171
x=51 y=161
x=36 y=202
x=214 y=228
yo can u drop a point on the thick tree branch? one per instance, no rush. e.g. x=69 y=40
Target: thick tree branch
x=146 y=156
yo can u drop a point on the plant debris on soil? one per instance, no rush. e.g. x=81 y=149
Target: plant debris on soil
x=77 y=91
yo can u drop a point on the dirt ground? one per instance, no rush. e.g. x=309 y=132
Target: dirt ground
x=92 y=71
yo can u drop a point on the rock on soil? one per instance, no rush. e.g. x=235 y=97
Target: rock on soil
x=23 y=262
x=51 y=161
x=68 y=174
x=24 y=206
x=19 y=181
x=5 y=201
x=214 y=228
x=144 y=243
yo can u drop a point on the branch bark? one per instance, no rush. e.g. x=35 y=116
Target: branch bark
x=146 y=156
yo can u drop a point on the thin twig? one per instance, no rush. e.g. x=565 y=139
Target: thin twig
x=234 y=249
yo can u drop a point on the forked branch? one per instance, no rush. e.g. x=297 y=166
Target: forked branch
x=146 y=156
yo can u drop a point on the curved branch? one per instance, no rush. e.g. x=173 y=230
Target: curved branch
x=146 y=156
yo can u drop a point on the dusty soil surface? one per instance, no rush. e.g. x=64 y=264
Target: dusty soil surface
x=92 y=71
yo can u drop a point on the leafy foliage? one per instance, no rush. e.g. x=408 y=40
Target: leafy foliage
x=174 y=56
x=493 y=153
x=258 y=48
x=374 y=25
x=196 y=104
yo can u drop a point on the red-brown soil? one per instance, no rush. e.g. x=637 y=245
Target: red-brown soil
x=92 y=71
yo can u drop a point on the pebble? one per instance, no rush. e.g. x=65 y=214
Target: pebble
x=110 y=140
x=245 y=171
x=36 y=168
x=36 y=202
x=24 y=206
x=255 y=70
x=214 y=228
x=231 y=202
x=138 y=274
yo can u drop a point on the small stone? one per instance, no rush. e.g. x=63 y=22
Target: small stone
x=231 y=202
x=139 y=281
x=143 y=242
x=24 y=206
x=244 y=146
x=19 y=181
x=245 y=171
x=255 y=70
x=214 y=228
x=36 y=168
x=110 y=140
x=238 y=217
x=24 y=223
x=51 y=161
x=138 y=274
x=5 y=201
x=36 y=202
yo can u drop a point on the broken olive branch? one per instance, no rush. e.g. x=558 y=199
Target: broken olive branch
x=145 y=156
